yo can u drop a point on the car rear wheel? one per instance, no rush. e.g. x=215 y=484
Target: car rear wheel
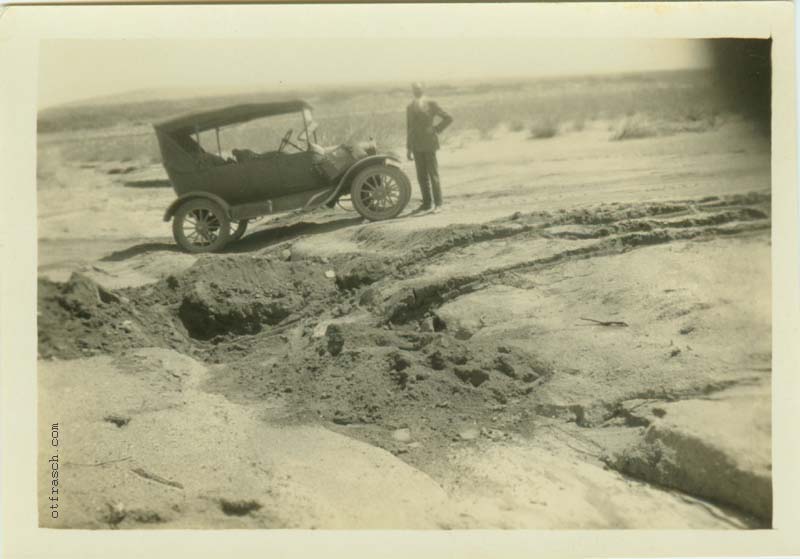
x=380 y=192
x=200 y=225
x=237 y=230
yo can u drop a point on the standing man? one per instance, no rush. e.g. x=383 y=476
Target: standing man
x=422 y=143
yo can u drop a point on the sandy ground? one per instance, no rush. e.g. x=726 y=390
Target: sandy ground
x=581 y=340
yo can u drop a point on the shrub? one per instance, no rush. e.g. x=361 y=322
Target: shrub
x=546 y=128
x=633 y=127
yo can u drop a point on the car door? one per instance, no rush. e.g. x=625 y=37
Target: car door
x=299 y=174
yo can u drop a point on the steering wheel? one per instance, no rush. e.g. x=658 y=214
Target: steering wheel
x=287 y=140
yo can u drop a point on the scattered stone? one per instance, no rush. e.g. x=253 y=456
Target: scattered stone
x=402 y=435
x=499 y=396
x=475 y=377
x=399 y=377
x=469 y=434
x=335 y=339
x=286 y=254
x=118 y=420
x=493 y=434
x=399 y=362
x=320 y=329
x=502 y=364
x=238 y=507
x=437 y=361
x=330 y=274
x=438 y=324
x=342 y=418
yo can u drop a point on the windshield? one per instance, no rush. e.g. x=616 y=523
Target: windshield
x=311 y=127
x=261 y=136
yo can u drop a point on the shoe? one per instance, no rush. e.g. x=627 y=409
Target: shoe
x=421 y=209
x=436 y=210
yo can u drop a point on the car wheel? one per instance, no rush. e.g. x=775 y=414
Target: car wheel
x=200 y=225
x=380 y=192
x=238 y=231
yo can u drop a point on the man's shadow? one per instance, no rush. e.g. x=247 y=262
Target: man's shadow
x=251 y=242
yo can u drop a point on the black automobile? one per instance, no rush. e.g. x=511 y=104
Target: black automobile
x=220 y=191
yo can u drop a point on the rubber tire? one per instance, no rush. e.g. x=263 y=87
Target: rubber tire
x=399 y=176
x=204 y=204
x=238 y=233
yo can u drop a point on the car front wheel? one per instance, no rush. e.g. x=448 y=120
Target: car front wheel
x=201 y=225
x=380 y=192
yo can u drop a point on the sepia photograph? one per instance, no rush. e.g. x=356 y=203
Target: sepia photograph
x=405 y=280
x=370 y=288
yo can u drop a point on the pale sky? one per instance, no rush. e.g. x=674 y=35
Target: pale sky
x=78 y=69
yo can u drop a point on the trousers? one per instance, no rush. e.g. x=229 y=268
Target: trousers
x=428 y=177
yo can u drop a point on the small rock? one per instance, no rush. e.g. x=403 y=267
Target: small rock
x=415 y=444
x=402 y=435
x=475 y=377
x=399 y=362
x=437 y=361
x=330 y=274
x=502 y=364
x=342 y=419
x=493 y=434
x=320 y=329
x=286 y=254
x=469 y=434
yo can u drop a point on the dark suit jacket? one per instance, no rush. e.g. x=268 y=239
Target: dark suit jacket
x=422 y=133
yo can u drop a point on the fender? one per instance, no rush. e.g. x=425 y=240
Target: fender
x=173 y=207
x=344 y=182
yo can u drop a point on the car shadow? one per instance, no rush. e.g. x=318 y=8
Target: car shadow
x=137 y=250
x=265 y=238
x=251 y=242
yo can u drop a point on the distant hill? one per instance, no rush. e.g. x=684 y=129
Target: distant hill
x=145 y=106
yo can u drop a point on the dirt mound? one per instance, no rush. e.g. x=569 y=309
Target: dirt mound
x=362 y=376
x=79 y=318
x=215 y=299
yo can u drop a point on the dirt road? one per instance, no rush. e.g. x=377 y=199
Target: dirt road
x=561 y=348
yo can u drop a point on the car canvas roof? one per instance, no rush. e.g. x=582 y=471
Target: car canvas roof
x=236 y=114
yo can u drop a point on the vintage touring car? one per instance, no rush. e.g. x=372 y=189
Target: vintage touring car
x=219 y=192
